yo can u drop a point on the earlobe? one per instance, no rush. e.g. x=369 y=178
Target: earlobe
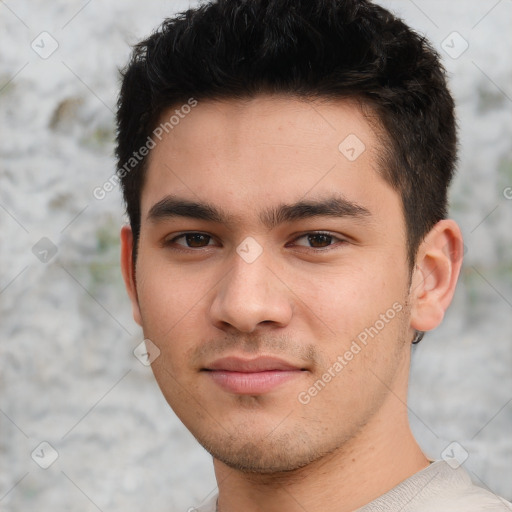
x=128 y=270
x=437 y=269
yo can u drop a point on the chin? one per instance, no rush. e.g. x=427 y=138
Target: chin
x=270 y=456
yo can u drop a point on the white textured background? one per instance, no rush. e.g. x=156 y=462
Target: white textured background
x=68 y=375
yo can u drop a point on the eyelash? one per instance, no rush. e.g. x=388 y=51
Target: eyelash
x=340 y=241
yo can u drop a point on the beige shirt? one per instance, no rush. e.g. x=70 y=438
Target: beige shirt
x=437 y=488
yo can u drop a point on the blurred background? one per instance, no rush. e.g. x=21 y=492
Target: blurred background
x=69 y=378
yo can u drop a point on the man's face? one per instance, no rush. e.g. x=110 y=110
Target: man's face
x=298 y=252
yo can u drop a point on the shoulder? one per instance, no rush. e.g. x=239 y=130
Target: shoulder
x=439 y=487
x=470 y=499
x=454 y=491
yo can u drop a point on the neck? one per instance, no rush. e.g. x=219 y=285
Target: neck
x=379 y=457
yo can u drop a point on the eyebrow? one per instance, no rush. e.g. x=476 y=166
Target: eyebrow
x=333 y=206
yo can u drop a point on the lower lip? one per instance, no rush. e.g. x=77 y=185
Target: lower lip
x=252 y=383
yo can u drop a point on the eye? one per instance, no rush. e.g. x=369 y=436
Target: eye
x=318 y=240
x=191 y=240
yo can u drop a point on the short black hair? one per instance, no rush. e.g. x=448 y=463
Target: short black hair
x=331 y=49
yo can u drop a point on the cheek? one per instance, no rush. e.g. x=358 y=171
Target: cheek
x=170 y=302
x=350 y=298
x=162 y=286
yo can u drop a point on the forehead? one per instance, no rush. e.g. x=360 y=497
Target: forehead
x=244 y=154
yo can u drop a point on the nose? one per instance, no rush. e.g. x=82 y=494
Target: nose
x=250 y=295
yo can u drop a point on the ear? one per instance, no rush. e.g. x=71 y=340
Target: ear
x=435 y=275
x=128 y=270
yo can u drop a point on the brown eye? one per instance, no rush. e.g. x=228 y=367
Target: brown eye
x=191 y=240
x=319 y=240
x=197 y=239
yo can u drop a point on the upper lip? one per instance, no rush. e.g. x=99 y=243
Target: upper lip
x=258 y=364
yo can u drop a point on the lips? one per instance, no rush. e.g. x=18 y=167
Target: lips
x=251 y=376
x=260 y=364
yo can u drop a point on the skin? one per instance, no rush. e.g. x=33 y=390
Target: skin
x=302 y=299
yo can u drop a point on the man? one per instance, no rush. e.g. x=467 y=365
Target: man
x=285 y=167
